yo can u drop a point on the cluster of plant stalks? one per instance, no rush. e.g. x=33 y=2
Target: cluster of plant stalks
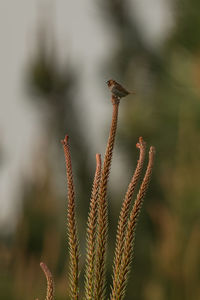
x=97 y=225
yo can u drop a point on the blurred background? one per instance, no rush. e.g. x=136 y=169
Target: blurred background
x=55 y=59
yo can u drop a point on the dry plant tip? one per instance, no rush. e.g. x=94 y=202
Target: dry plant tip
x=141 y=143
x=98 y=159
x=152 y=150
x=45 y=269
x=50 y=283
x=65 y=141
x=42 y=265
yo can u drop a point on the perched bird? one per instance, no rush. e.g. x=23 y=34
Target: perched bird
x=117 y=90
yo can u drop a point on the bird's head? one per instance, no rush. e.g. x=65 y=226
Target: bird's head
x=110 y=82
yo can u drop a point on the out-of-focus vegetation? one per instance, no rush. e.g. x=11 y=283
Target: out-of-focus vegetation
x=166 y=113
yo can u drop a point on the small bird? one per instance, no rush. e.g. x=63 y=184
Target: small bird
x=117 y=90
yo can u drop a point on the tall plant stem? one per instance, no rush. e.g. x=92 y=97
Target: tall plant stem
x=50 y=283
x=91 y=233
x=130 y=232
x=71 y=223
x=123 y=217
x=102 y=229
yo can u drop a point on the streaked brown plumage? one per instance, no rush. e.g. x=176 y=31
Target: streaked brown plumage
x=117 y=90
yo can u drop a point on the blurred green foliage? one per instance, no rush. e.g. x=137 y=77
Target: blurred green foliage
x=166 y=113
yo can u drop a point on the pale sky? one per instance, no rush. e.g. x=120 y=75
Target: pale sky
x=77 y=25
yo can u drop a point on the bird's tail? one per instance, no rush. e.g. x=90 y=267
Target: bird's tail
x=132 y=92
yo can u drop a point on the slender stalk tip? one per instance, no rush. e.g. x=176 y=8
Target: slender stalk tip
x=45 y=269
x=98 y=159
x=141 y=144
x=50 y=283
x=65 y=141
x=152 y=150
x=42 y=265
